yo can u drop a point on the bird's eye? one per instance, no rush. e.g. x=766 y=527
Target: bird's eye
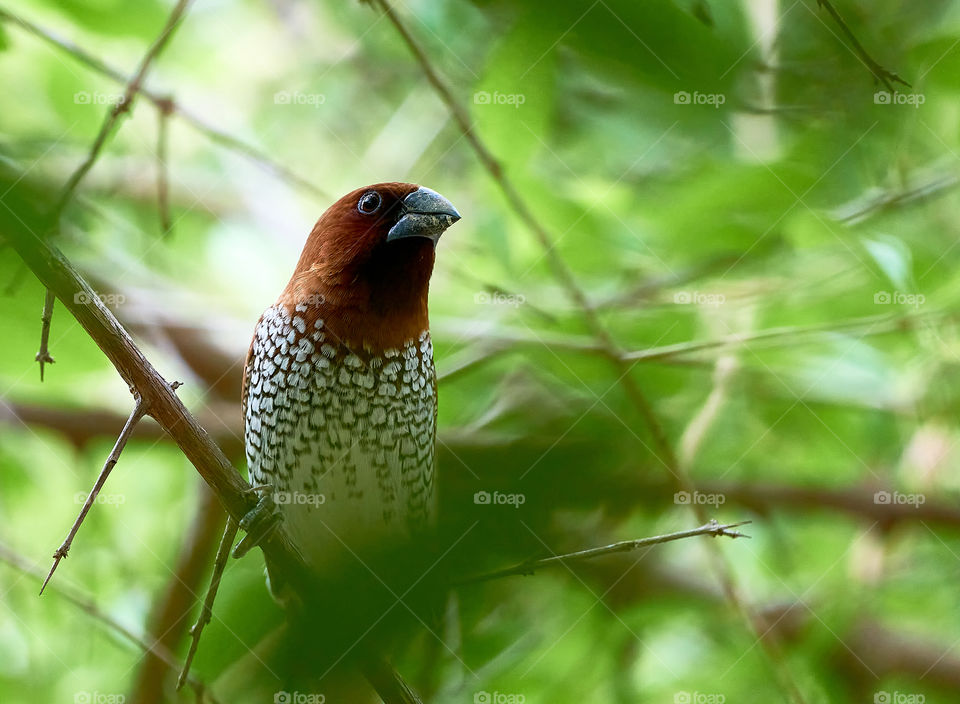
x=369 y=203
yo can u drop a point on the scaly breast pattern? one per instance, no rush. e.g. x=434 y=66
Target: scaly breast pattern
x=346 y=441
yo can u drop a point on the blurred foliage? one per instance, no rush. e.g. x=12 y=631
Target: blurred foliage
x=707 y=169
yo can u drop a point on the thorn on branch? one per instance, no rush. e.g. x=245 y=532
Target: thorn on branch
x=880 y=74
x=206 y=611
x=712 y=528
x=43 y=355
x=138 y=412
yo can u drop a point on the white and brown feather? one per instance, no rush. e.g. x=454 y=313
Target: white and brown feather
x=355 y=428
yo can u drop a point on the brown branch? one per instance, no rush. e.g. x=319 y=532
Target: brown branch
x=157 y=396
x=89 y=606
x=169 y=618
x=164 y=103
x=163 y=171
x=43 y=355
x=61 y=552
x=125 y=103
x=206 y=611
x=528 y=567
x=879 y=72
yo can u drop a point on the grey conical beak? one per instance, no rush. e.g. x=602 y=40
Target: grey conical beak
x=426 y=213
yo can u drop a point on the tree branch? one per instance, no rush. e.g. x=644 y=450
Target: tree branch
x=125 y=104
x=165 y=104
x=61 y=552
x=43 y=355
x=530 y=566
x=879 y=72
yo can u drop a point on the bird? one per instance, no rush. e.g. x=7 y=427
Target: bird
x=339 y=393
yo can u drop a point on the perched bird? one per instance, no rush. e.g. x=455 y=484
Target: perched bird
x=339 y=392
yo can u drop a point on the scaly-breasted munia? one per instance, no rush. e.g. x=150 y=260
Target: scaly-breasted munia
x=339 y=393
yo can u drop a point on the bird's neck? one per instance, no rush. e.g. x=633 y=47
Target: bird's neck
x=379 y=306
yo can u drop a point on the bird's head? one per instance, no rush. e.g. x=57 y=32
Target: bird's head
x=365 y=268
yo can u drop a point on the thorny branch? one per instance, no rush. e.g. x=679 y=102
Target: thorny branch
x=880 y=74
x=43 y=355
x=528 y=567
x=206 y=611
x=609 y=346
x=125 y=103
x=166 y=104
x=61 y=552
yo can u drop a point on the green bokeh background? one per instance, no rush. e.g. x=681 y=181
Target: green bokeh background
x=802 y=204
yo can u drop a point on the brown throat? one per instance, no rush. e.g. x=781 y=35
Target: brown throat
x=375 y=305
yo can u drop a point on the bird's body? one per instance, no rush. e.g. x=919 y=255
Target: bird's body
x=345 y=439
x=340 y=395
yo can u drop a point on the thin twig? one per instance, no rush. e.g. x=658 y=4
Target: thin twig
x=125 y=103
x=162 y=102
x=530 y=566
x=138 y=411
x=879 y=72
x=206 y=611
x=43 y=355
x=89 y=606
x=163 y=171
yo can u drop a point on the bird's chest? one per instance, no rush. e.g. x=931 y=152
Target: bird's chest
x=340 y=437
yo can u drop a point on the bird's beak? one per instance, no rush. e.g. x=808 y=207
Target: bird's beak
x=426 y=213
